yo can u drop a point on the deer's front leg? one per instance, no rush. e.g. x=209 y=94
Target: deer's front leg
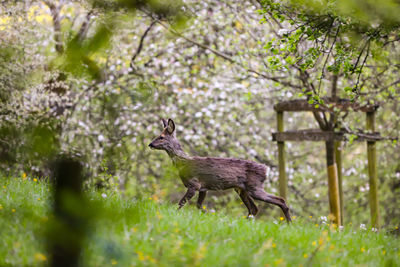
x=189 y=194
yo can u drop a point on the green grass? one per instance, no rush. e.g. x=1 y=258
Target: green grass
x=126 y=232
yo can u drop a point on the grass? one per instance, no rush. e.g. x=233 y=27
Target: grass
x=143 y=233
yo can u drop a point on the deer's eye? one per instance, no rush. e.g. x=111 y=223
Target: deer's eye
x=161 y=137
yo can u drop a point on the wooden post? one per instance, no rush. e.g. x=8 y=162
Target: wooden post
x=281 y=158
x=373 y=175
x=66 y=235
x=338 y=156
x=333 y=187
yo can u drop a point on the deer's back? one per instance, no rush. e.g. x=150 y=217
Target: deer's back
x=223 y=173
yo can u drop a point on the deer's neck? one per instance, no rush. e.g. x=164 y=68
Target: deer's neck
x=177 y=155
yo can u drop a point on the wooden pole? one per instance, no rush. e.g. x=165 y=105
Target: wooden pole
x=333 y=186
x=373 y=174
x=281 y=158
x=338 y=156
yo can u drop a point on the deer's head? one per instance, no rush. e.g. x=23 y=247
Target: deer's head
x=166 y=140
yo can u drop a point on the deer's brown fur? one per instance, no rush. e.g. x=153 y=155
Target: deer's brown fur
x=206 y=173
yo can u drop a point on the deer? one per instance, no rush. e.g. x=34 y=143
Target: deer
x=201 y=174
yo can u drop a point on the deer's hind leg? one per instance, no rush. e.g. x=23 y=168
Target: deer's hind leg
x=248 y=201
x=260 y=194
x=202 y=196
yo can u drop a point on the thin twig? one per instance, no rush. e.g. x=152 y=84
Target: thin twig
x=361 y=68
x=326 y=60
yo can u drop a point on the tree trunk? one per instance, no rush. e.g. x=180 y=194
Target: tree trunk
x=333 y=185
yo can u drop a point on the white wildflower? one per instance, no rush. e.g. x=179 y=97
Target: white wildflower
x=100 y=138
x=283 y=31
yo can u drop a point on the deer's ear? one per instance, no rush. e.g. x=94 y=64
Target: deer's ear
x=165 y=123
x=171 y=126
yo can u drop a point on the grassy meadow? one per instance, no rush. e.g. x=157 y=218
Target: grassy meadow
x=128 y=232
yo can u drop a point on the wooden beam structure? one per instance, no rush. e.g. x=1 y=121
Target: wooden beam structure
x=281 y=158
x=373 y=175
x=319 y=135
x=338 y=155
x=329 y=105
x=332 y=140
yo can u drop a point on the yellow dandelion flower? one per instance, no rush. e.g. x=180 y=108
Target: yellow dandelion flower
x=305 y=255
x=1 y=207
x=294 y=217
x=362 y=250
x=114 y=262
x=384 y=252
x=34 y=179
x=279 y=261
x=40 y=257
x=331 y=247
x=24 y=176
x=4 y=186
x=141 y=256
x=38 y=198
x=13 y=210
x=314 y=243
x=310 y=216
x=316 y=225
x=159 y=216
x=201 y=252
x=204 y=208
x=273 y=245
x=134 y=229
x=397 y=228
x=43 y=18
x=281 y=218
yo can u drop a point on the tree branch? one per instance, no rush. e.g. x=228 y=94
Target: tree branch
x=141 y=43
x=228 y=58
x=84 y=27
x=55 y=14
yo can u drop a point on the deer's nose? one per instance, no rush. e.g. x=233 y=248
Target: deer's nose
x=151 y=145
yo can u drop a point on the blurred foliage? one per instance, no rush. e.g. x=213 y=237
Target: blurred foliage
x=104 y=95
